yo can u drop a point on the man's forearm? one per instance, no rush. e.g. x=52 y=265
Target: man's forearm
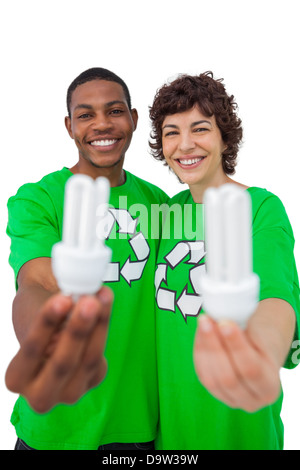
x=26 y=304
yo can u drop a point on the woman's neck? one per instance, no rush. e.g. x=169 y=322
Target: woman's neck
x=198 y=190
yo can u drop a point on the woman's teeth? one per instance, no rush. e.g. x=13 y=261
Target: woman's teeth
x=190 y=161
x=103 y=143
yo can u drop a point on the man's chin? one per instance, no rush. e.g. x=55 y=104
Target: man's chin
x=107 y=165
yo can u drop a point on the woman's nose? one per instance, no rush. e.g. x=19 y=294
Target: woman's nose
x=186 y=143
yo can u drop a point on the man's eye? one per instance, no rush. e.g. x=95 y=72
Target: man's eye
x=84 y=116
x=117 y=111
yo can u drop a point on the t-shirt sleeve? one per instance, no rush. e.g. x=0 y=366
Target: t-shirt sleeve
x=273 y=259
x=32 y=225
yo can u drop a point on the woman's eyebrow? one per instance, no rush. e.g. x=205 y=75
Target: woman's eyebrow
x=200 y=122
x=196 y=123
x=170 y=125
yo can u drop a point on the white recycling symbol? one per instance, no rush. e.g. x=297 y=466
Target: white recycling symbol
x=131 y=270
x=188 y=304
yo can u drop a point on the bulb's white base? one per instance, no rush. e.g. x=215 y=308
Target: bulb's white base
x=79 y=272
x=230 y=301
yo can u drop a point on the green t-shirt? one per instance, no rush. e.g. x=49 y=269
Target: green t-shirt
x=190 y=417
x=124 y=407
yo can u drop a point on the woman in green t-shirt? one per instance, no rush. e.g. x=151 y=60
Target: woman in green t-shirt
x=219 y=385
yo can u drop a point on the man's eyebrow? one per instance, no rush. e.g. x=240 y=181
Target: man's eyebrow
x=107 y=105
x=83 y=106
x=112 y=103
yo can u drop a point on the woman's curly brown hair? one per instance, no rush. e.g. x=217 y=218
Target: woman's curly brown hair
x=210 y=95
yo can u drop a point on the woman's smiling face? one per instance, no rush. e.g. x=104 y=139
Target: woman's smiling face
x=193 y=146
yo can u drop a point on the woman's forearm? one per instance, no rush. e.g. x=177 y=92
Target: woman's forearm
x=272 y=328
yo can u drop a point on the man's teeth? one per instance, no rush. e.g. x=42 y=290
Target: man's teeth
x=103 y=143
x=190 y=161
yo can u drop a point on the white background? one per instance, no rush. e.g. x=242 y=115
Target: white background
x=253 y=45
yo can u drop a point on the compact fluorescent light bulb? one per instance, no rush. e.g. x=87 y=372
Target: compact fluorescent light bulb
x=230 y=289
x=80 y=260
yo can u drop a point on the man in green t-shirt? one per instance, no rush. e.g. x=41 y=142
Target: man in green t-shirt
x=63 y=349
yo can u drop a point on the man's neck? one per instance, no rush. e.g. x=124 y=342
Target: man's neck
x=116 y=175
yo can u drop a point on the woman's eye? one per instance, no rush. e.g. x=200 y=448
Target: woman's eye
x=170 y=133
x=200 y=129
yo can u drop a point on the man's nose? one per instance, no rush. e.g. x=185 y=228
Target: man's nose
x=101 y=122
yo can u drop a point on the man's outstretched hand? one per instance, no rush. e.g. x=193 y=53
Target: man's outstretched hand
x=62 y=356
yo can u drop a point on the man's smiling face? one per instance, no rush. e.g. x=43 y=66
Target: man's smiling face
x=101 y=124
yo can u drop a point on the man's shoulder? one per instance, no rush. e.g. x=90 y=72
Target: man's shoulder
x=50 y=184
x=52 y=181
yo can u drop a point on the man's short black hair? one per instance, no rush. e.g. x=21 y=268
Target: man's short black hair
x=96 y=73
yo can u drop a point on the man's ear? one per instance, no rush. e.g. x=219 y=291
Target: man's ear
x=135 y=117
x=68 y=126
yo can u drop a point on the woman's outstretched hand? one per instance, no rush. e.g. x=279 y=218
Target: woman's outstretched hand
x=235 y=366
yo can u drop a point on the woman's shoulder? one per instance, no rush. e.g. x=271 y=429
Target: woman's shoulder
x=268 y=209
x=183 y=197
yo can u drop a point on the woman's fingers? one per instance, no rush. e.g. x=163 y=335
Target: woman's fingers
x=254 y=367
x=231 y=368
x=213 y=365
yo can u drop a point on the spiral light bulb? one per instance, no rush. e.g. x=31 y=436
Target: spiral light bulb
x=80 y=260
x=230 y=288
